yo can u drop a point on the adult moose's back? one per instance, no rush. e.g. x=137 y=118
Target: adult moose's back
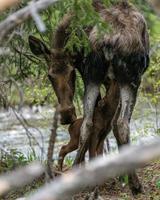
x=122 y=55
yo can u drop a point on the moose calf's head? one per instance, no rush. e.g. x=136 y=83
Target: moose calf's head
x=60 y=72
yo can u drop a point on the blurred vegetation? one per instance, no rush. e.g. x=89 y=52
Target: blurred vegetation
x=23 y=76
x=11 y=159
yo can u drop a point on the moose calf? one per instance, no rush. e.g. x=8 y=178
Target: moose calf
x=103 y=116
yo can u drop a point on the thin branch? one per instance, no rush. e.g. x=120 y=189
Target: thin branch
x=28 y=56
x=97 y=171
x=29 y=134
x=40 y=25
x=51 y=144
x=22 y=15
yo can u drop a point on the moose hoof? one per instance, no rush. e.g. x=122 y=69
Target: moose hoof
x=136 y=189
x=135 y=184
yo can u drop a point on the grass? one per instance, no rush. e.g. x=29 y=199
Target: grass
x=13 y=158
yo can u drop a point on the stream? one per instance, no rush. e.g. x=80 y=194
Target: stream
x=29 y=128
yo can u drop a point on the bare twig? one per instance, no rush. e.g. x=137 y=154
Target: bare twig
x=28 y=56
x=28 y=133
x=20 y=177
x=51 y=144
x=20 y=16
x=40 y=25
x=11 y=81
x=98 y=171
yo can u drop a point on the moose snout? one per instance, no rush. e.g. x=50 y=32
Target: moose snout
x=68 y=115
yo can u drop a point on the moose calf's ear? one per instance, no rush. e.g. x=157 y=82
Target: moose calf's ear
x=37 y=47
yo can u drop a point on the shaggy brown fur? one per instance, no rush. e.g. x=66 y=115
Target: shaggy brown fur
x=128 y=35
x=128 y=29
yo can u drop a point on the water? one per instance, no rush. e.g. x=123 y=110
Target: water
x=29 y=129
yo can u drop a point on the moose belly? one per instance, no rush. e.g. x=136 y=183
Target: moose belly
x=128 y=69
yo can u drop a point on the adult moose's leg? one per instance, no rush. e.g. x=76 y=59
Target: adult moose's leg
x=93 y=143
x=121 y=128
x=91 y=94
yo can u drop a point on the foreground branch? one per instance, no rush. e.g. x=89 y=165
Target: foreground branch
x=20 y=16
x=51 y=144
x=97 y=171
x=20 y=177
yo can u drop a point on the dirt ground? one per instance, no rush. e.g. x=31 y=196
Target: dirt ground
x=113 y=189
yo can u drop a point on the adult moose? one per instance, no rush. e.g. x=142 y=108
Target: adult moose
x=122 y=55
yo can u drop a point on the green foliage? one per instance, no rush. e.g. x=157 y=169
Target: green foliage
x=69 y=161
x=39 y=92
x=158 y=131
x=124 y=179
x=30 y=72
x=85 y=16
x=152 y=80
x=158 y=184
x=13 y=158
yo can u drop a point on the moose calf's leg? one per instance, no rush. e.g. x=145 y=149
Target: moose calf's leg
x=71 y=146
x=121 y=128
x=91 y=94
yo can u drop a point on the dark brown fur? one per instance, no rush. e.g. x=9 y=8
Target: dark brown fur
x=122 y=55
x=128 y=36
x=103 y=115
